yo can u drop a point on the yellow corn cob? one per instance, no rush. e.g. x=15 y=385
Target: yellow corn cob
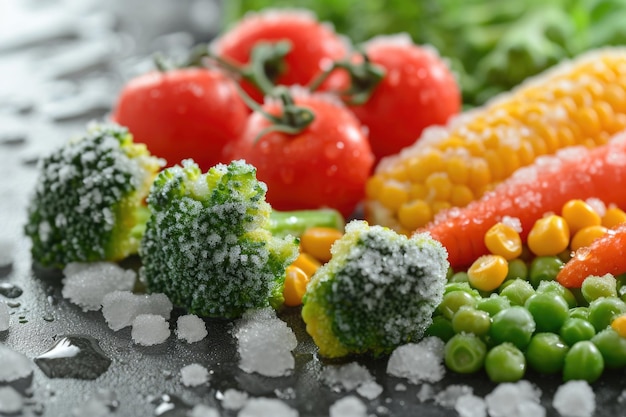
x=578 y=102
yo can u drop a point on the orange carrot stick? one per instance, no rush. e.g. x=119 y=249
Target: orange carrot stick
x=605 y=255
x=531 y=192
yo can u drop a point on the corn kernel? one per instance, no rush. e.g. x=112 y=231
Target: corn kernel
x=586 y=235
x=418 y=191
x=393 y=194
x=457 y=170
x=431 y=161
x=373 y=186
x=549 y=236
x=496 y=165
x=501 y=239
x=613 y=217
x=589 y=121
x=480 y=175
x=296 y=281
x=579 y=214
x=440 y=186
x=438 y=206
x=307 y=263
x=488 y=272
x=510 y=159
x=317 y=241
x=526 y=153
x=414 y=214
x=461 y=195
x=619 y=325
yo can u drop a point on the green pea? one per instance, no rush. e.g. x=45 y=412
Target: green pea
x=471 y=320
x=453 y=301
x=493 y=304
x=518 y=269
x=621 y=285
x=583 y=361
x=576 y=329
x=515 y=325
x=549 y=310
x=449 y=273
x=460 y=286
x=612 y=346
x=554 y=286
x=440 y=327
x=544 y=268
x=602 y=311
x=594 y=287
x=505 y=363
x=459 y=277
x=579 y=312
x=517 y=291
x=546 y=353
x=465 y=353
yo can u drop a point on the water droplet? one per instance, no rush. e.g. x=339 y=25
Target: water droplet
x=14 y=304
x=48 y=317
x=74 y=356
x=10 y=290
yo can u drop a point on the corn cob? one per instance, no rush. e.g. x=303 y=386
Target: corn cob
x=578 y=102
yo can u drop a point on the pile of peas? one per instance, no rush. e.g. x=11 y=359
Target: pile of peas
x=507 y=313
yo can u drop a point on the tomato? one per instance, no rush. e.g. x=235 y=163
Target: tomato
x=417 y=90
x=183 y=113
x=314 y=46
x=326 y=164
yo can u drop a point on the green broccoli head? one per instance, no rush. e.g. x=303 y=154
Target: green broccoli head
x=207 y=244
x=377 y=292
x=89 y=201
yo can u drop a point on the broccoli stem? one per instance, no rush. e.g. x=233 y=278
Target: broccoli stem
x=283 y=223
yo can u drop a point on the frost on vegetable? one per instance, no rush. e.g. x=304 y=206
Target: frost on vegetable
x=377 y=292
x=207 y=245
x=88 y=204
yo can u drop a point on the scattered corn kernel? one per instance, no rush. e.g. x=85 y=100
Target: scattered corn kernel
x=586 y=235
x=488 y=272
x=296 y=281
x=619 y=324
x=549 y=236
x=501 y=239
x=613 y=217
x=307 y=263
x=580 y=102
x=579 y=214
x=317 y=241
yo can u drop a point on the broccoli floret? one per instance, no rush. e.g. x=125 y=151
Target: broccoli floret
x=89 y=201
x=208 y=244
x=377 y=292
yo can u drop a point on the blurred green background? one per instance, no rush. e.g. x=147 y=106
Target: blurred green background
x=492 y=45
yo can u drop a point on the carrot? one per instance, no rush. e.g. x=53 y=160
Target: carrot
x=605 y=255
x=532 y=191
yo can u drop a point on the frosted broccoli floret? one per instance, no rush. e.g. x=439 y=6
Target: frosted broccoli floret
x=207 y=245
x=88 y=204
x=377 y=292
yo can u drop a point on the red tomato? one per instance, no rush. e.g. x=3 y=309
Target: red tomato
x=183 y=113
x=418 y=90
x=324 y=165
x=314 y=46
